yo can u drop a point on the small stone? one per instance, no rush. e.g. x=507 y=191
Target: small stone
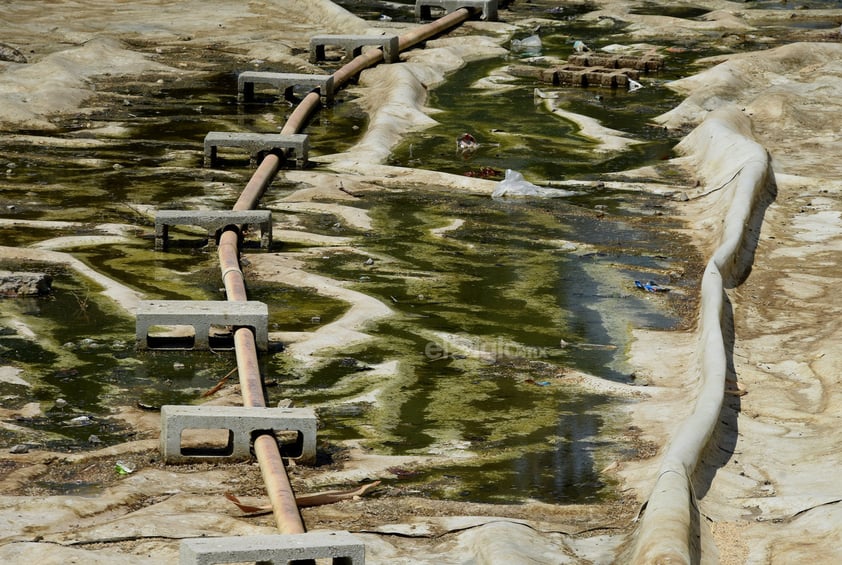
x=369 y=261
x=316 y=319
x=178 y=365
x=60 y=403
x=19 y=448
x=94 y=439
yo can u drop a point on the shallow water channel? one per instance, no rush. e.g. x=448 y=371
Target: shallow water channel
x=489 y=315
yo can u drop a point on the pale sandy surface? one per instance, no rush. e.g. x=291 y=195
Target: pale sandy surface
x=767 y=486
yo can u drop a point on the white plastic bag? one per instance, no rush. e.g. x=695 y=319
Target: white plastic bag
x=531 y=45
x=634 y=85
x=515 y=185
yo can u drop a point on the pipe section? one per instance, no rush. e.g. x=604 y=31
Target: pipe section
x=279 y=489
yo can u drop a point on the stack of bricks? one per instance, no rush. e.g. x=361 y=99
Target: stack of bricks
x=591 y=69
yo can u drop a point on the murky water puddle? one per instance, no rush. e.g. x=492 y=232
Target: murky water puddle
x=489 y=318
x=489 y=315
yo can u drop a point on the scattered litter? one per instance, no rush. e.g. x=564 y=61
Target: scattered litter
x=587 y=346
x=466 y=144
x=530 y=45
x=650 y=286
x=537 y=383
x=124 y=468
x=81 y=421
x=580 y=47
x=484 y=173
x=634 y=85
x=515 y=185
x=369 y=261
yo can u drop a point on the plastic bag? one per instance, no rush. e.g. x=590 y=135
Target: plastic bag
x=580 y=47
x=515 y=185
x=531 y=44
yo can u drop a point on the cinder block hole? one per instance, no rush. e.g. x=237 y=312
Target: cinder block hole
x=171 y=337
x=334 y=53
x=290 y=442
x=323 y=561
x=336 y=561
x=299 y=91
x=234 y=156
x=432 y=12
x=220 y=337
x=207 y=442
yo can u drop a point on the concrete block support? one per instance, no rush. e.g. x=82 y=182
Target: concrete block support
x=285 y=82
x=353 y=46
x=213 y=221
x=242 y=423
x=280 y=549
x=488 y=7
x=256 y=143
x=202 y=315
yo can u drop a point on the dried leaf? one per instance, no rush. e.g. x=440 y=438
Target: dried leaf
x=245 y=507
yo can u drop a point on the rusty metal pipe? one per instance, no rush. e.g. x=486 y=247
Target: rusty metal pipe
x=258 y=183
x=229 y=263
x=251 y=386
x=426 y=31
x=269 y=166
x=278 y=487
x=421 y=33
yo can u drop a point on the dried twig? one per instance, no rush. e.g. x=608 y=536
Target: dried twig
x=220 y=384
x=305 y=500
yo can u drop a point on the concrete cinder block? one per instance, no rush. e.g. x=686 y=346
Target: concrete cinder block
x=213 y=221
x=353 y=44
x=241 y=423
x=201 y=314
x=279 y=549
x=487 y=8
x=285 y=82
x=256 y=143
